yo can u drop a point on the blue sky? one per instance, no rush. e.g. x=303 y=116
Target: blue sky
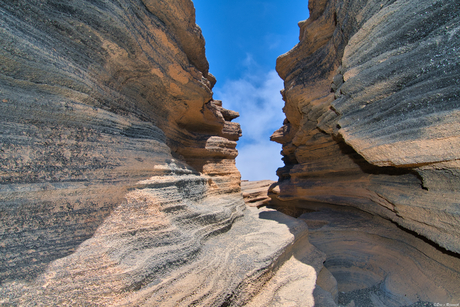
x=243 y=40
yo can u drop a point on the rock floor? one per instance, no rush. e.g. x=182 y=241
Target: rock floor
x=376 y=263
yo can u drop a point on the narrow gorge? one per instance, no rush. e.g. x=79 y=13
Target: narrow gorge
x=118 y=184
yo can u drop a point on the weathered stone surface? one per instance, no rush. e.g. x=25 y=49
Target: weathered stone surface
x=118 y=183
x=377 y=264
x=372 y=113
x=255 y=193
x=161 y=248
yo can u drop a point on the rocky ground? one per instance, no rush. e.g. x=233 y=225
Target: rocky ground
x=255 y=193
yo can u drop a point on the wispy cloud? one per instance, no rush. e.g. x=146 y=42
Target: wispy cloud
x=257 y=97
x=258 y=161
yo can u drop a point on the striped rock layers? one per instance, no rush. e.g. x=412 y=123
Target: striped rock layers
x=372 y=135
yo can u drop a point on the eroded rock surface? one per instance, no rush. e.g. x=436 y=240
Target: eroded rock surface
x=375 y=263
x=255 y=193
x=118 y=184
x=117 y=172
x=372 y=112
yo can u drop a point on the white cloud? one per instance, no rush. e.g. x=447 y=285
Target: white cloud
x=259 y=161
x=258 y=100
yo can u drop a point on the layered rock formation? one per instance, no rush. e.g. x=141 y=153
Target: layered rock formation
x=375 y=263
x=255 y=193
x=118 y=181
x=117 y=166
x=118 y=185
x=372 y=110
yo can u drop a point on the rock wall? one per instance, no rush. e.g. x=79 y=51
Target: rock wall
x=372 y=112
x=255 y=193
x=118 y=184
x=116 y=164
x=371 y=146
x=376 y=263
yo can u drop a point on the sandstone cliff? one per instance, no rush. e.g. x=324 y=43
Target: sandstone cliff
x=372 y=112
x=118 y=184
x=255 y=193
x=372 y=122
x=117 y=165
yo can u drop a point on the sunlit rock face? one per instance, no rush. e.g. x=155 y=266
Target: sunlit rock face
x=118 y=184
x=255 y=193
x=372 y=115
x=116 y=164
